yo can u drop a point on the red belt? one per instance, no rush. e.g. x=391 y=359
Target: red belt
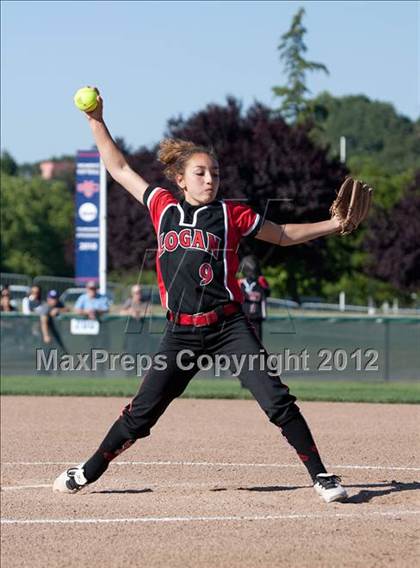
x=204 y=318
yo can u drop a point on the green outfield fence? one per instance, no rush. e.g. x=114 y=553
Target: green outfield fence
x=328 y=347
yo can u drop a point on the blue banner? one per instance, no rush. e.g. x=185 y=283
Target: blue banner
x=87 y=215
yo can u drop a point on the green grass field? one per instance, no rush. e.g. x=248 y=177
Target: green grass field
x=352 y=391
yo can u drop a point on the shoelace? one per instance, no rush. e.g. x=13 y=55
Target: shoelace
x=71 y=482
x=329 y=482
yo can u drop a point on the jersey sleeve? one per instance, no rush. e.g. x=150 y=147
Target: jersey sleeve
x=156 y=199
x=264 y=284
x=246 y=221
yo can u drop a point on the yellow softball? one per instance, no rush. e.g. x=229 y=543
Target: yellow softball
x=85 y=99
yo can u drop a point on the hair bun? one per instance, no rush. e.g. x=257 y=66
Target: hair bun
x=174 y=153
x=171 y=149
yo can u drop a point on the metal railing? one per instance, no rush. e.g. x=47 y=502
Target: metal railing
x=10 y=279
x=120 y=292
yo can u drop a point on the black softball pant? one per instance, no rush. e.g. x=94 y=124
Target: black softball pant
x=233 y=336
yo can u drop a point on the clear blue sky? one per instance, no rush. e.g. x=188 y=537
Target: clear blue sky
x=156 y=60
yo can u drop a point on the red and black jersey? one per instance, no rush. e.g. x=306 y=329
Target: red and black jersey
x=256 y=292
x=197 y=260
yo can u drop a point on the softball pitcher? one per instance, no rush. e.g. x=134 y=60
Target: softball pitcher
x=196 y=264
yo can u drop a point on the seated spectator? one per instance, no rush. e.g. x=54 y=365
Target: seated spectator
x=32 y=303
x=133 y=306
x=6 y=304
x=91 y=304
x=51 y=309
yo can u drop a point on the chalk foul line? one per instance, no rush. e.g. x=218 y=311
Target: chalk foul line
x=17 y=487
x=191 y=519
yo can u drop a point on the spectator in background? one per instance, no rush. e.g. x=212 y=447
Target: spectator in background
x=32 y=303
x=51 y=309
x=133 y=306
x=256 y=291
x=6 y=304
x=92 y=304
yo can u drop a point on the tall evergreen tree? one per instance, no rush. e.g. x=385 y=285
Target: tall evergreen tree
x=295 y=105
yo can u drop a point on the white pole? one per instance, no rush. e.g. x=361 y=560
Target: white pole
x=102 y=230
x=371 y=306
x=342 y=301
x=342 y=149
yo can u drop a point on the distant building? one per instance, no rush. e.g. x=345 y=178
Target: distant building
x=50 y=169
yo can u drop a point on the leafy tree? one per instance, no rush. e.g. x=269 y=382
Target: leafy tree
x=36 y=226
x=295 y=104
x=263 y=161
x=359 y=288
x=375 y=132
x=389 y=187
x=393 y=241
x=8 y=164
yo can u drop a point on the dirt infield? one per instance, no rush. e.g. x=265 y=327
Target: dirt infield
x=214 y=485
